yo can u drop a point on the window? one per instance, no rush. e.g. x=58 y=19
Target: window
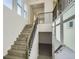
x=24 y=14
x=21 y=8
x=69 y=1
x=71 y=24
x=19 y=2
x=8 y=3
x=25 y=9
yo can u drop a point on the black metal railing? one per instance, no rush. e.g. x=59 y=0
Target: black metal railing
x=32 y=34
x=31 y=37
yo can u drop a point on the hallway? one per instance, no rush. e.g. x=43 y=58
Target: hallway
x=45 y=51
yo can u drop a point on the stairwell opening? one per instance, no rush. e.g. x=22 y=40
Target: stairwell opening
x=45 y=45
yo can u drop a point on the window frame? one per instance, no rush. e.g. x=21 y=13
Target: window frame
x=23 y=11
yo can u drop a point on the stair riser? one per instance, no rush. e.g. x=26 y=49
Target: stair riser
x=26 y=36
x=21 y=39
x=17 y=43
x=13 y=58
x=16 y=54
x=19 y=48
x=26 y=30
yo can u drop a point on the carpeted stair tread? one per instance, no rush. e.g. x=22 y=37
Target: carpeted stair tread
x=18 y=53
x=13 y=57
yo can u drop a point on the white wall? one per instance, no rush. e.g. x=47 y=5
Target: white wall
x=44 y=28
x=13 y=25
x=48 y=7
x=34 y=51
x=69 y=35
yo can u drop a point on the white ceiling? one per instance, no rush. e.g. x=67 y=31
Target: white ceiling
x=38 y=8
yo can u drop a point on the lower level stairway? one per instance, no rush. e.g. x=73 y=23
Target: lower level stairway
x=45 y=51
x=18 y=50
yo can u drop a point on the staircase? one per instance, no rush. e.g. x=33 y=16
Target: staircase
x=19 y=49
